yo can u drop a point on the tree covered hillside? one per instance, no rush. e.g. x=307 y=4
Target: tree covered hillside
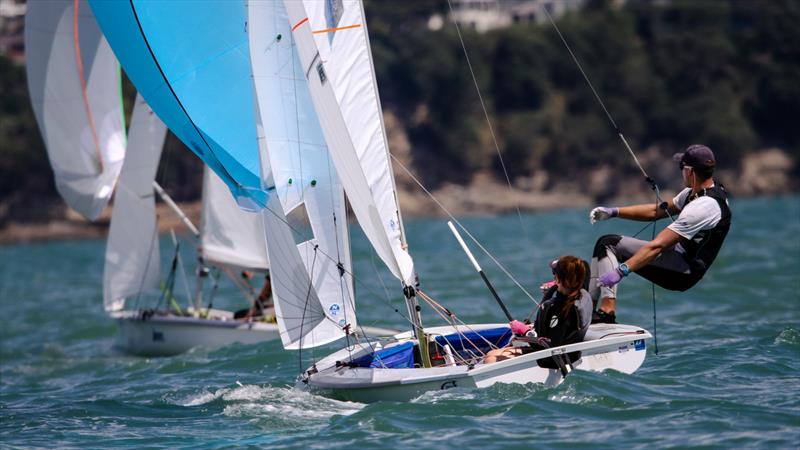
x=671 y=73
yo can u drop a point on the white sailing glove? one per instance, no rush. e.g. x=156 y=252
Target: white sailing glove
x=602 y=213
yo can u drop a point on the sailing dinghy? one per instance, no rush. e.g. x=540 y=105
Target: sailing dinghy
x=325 y=45
x=230 y=241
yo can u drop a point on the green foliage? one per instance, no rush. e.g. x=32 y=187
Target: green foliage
x=24 y=167
x=722 y=72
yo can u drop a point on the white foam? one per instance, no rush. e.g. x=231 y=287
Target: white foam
x=283 y=404
x=201 y=398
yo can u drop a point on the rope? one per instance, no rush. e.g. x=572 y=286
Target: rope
x=488 y=122
x=436 y=305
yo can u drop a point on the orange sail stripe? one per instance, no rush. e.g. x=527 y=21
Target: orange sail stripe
x=82 y=77
x=300 y=23
x=330 y=30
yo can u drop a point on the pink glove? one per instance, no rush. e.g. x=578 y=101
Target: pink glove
x=519 y=328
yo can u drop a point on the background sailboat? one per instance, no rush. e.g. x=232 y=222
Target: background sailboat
x=229 y=239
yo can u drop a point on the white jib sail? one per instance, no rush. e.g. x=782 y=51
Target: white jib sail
x=74 y=84
x=333 y=46
x=132 y=256
x=313 y=297
x=228 y=234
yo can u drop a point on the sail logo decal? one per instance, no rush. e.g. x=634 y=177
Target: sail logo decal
x=334 y=309
x=639 y=345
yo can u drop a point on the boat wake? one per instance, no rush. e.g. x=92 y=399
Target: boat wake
x=284 y=408
x=281 y=407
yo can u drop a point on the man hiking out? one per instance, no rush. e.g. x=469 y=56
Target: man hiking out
x=680 y=254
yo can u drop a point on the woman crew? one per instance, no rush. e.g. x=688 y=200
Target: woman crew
x=563 y=317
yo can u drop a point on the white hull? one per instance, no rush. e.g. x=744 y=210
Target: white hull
x=167 y=335
x=617 y=347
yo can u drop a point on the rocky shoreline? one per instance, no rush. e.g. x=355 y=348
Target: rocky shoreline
x=766 y=172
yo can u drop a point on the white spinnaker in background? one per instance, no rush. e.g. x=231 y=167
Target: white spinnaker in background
x=332 y=42
x=313 y=298
x=75 y=93
x=133 y=263
x=229 y=235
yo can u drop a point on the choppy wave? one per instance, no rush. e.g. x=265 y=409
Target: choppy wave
x=726 y=376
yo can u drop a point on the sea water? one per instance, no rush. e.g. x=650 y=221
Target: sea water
x=727 y=372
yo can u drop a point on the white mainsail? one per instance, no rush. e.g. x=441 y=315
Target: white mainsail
x=312 y=282
x=74 y=85
x=333 y=47
x=229 y=235
x=132 y=255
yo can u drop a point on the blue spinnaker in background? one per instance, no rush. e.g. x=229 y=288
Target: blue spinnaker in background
x=191 y=63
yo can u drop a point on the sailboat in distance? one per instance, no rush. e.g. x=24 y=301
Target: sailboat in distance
x=326 y=45
x=229 y=242
x=74 y=86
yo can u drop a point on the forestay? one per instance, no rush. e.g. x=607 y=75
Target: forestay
x=197 y=82
x=74 y=84
x=229 y=235
x=312 y=282
x=333 y=46
x=132 y=255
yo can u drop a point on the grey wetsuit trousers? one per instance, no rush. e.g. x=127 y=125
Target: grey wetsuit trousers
x=669 y=270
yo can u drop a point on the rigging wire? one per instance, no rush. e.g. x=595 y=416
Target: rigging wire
x=653 y=291
x=653 y=185
x=489 y=123
x=465 y=230
x=660 y=203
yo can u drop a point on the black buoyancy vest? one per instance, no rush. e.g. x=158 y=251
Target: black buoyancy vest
x=553 y=305
x=704 y=247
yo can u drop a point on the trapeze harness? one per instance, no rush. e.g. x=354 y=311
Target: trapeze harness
x=703 y=249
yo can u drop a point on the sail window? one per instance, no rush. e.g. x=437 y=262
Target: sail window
x=300 y=224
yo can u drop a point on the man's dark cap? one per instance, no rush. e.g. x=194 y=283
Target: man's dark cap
x=696 y=156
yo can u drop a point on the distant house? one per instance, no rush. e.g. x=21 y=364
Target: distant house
x=12 y=26
x=484 y=15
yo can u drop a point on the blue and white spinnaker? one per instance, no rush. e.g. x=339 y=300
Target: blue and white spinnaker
x=191 y=64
